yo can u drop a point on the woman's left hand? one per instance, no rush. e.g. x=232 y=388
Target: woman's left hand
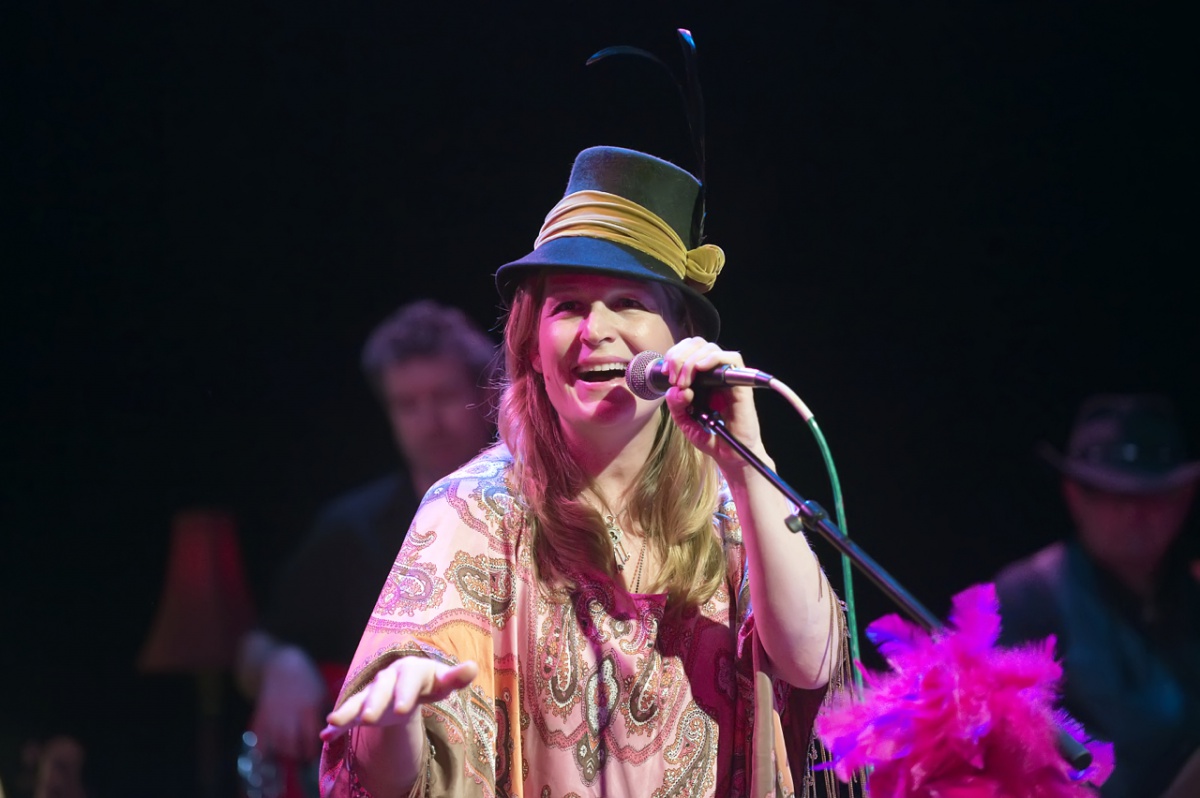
x=684 y=361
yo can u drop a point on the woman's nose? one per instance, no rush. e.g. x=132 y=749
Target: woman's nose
x=598 y=325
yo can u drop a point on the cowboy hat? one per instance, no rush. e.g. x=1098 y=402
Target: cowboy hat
x=1126 y=443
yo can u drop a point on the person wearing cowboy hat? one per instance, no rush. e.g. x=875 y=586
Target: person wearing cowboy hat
x=607 y=602
x=1119 y=597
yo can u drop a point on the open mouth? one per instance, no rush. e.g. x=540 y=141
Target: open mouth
x=602 y=373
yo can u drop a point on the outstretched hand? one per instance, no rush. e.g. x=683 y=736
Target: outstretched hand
x=396 y=693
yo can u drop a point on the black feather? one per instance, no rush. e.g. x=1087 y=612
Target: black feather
x=693 y=98
x=621 y=49
x=693 y=106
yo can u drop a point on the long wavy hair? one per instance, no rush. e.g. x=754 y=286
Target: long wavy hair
x=674 y=498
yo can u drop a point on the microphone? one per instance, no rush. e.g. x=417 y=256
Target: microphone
x=647 y=378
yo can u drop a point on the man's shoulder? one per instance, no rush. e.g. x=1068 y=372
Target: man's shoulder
x=1043 y=566
x=1029 y=591
x=366 y=500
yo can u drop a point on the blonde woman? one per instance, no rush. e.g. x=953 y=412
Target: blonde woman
x=607 y=602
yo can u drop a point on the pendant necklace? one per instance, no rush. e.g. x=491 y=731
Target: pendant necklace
x=616 y=534
x=621 y=554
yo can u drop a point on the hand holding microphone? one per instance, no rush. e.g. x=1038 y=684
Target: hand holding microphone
x=693 y=364
x=648 y=377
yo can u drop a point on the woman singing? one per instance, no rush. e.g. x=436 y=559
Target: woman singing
x=607 y=601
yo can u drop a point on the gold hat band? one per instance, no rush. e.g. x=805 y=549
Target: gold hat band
x=598 y=214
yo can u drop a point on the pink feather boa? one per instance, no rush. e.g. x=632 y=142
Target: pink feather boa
x=958 y=717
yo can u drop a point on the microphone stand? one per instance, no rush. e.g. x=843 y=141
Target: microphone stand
x=814 y=517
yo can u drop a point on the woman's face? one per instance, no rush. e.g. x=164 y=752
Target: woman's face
x=590 y=326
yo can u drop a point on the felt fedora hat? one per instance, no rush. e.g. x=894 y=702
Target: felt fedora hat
x=632 y=215
x=1126 y=443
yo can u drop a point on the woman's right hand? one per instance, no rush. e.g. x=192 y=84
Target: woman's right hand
x=396 y=692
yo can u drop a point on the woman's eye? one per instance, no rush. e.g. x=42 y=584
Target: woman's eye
x=566 y=306
x=632 y=302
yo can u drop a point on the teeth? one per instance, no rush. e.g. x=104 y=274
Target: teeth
x=615 y=368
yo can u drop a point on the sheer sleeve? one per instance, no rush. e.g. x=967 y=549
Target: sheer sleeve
x=782 y=750
x=446 y=593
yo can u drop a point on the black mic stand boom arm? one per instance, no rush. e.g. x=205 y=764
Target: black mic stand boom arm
x=813 y=517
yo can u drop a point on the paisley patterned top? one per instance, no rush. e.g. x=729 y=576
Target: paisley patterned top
x=595 y=693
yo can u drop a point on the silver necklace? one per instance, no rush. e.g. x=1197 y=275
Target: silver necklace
x=617 y=535
x=621 y=554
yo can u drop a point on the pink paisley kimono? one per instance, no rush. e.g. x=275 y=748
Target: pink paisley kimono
x=594 y=695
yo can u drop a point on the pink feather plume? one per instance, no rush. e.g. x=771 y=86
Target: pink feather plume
x=958 y=717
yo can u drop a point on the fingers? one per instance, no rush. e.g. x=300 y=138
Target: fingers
x=342 y=719
x=334 y=726
x=426 y=685
x=348 y=715
x=358 y=708
x=379 y=695
x=685 y=361
x=678 y=402
x=396 y=692
x=411 y=684
x=694 y=355
x=458 y=677
x=348 y=711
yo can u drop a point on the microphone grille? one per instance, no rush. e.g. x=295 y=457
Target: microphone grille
x=636 y=376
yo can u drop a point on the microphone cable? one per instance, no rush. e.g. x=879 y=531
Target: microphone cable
x=810 y=420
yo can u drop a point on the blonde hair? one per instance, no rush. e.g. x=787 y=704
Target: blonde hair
x=675 y=492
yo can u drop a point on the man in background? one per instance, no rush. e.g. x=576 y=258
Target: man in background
x=1119 y=595
x=431 y=369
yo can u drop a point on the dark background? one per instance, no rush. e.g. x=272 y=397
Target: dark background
x=945 y=223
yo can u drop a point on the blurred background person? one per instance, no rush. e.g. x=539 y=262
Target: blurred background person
x=60 y=772
x=53 y=766
x=1119 y=595
x=432 y=370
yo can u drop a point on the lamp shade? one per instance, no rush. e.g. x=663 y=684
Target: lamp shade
x=205 y=605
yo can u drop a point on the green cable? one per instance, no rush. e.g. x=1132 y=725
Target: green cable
x=851 y=615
